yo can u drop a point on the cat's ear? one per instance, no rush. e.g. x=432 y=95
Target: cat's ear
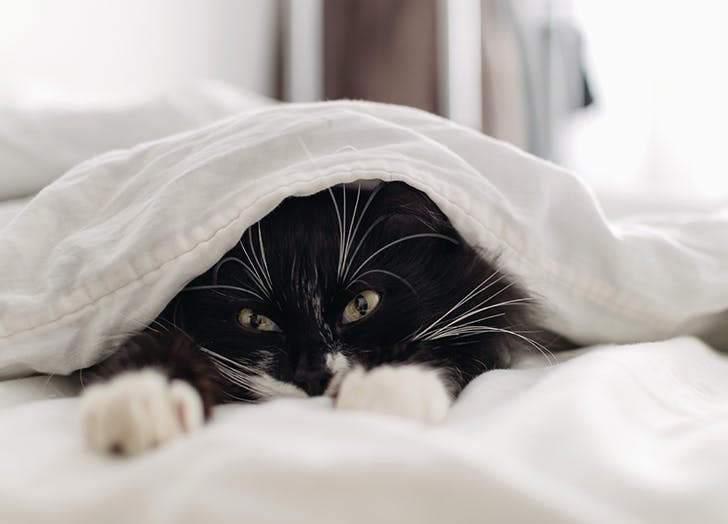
x=405 y=204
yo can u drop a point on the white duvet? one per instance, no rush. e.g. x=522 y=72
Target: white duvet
x=616 y=435
x=630 y=433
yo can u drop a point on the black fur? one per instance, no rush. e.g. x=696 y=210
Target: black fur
x=424 y=272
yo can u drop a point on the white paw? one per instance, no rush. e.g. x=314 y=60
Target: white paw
x=137 y=411
x=411 y=391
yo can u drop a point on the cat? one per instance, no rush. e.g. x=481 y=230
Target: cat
x=368 y=296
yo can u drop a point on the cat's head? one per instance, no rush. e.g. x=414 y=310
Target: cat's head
x=349 y=277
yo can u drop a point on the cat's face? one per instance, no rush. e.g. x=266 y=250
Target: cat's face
x=348 y=277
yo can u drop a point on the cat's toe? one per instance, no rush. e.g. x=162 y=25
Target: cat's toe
x=137 y=411
x=411 y=391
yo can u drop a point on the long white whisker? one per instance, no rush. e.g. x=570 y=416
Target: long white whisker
x=234 y=363
x=463 y=328
x=219 y=286
x=293 y=266
x=266 y=272
x=400 y=240
x=462 y=301
x=237 y=378
x=252 y=269
x=358 y=223
x=172 y=324
x=393 y=275
x=237 y=372
x=475 y=310
x=219 y=265
x=343 y=240
x=258 y=265
x=352 y=231
x=341 y=233
x=480 y=310
x=475 y=330
x=359 y=244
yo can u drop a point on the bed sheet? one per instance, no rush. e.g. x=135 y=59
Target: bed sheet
x=612 y=434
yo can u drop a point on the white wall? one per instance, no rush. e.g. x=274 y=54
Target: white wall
x=106 y=48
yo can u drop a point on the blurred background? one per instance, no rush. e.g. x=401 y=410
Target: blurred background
x=630 y=94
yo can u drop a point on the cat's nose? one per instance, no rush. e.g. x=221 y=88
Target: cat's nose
x=312 y=382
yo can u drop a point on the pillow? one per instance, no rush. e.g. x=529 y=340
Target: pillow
x=39 y=143
x=99 y=252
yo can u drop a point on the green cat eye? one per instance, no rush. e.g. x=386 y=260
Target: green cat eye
x=254 y=321
x=360 y=306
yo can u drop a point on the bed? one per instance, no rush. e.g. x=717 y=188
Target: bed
x=612 y=432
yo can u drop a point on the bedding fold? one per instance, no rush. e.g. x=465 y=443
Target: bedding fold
x=99 y=252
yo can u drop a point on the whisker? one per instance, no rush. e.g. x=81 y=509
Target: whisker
x=236 y=364
x=343 y=240
x=252 y=269
x=393 y=275
x=265 y=262
x=480 y=310
x=218 y=266
x=258 y=265
x=293 y=266
x=352 y=231
x=475 y=310
x=463 y=328
x=220 y=286
x=341 y=233
x=376 y=222
x=163 y=325
x=175 y=309
x=466 y=324
x=476 y=330
x=400 y=240
x=238 y=373
x=373 y=194
x=361 y=280
x=477 y=289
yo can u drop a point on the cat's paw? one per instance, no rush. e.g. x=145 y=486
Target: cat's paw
x=137 y=411
x=411 y=391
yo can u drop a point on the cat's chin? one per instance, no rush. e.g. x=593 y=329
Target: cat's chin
x=138 y=410
x=412 y=391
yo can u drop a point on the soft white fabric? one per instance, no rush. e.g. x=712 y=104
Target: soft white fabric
x=40 y=141
x=616 y=435
x=100 y=251
x=10 y=208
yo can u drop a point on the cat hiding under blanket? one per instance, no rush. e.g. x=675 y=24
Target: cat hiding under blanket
x=368 y=296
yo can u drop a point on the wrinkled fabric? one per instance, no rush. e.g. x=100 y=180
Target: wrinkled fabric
x=100 y=251
x=612 y=435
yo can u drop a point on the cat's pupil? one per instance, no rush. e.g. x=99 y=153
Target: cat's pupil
x=254 y=320
x=361 y=304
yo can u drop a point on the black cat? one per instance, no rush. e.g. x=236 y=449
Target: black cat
x=368 y=296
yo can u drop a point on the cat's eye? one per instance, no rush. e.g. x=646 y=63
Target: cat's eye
x=254 y=321
x=360 y=306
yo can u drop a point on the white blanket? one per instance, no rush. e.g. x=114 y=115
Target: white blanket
x=100 y=251
x=616 y=435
